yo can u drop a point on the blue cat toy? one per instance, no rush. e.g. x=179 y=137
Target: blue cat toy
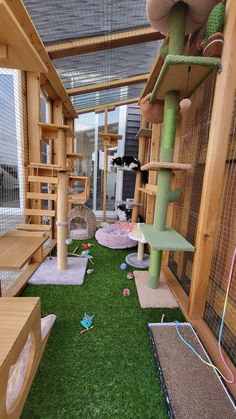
x=86 y=322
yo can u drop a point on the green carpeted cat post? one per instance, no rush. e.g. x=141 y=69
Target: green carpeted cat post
x=171 y=109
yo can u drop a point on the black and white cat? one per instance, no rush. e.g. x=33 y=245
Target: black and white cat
x=123 y=213
x=128 y=163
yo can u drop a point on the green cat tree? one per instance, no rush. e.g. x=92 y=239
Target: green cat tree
x=171 y=86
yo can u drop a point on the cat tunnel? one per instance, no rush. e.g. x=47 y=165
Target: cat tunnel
x=175 y=18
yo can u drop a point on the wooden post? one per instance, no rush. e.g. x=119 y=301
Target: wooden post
x=62 y=204
x=57 y=117
x=105 y=168
x=33 y=112
x=70 y=137
x=215 y=163
x=141 y=157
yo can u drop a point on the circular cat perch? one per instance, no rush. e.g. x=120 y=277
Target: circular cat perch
x=159 y=12
x=140 y=259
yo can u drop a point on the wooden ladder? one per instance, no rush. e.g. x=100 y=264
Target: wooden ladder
x=39 y=174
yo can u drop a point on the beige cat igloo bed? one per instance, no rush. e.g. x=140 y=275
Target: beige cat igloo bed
x=159 y=12
x=82 y=223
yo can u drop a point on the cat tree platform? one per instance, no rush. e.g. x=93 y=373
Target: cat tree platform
x=155 y=165
x=183 y=74
x=168 y=239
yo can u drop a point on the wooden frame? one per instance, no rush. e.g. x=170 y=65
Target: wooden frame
x=100 y=109
x=103 y=42
x=56 y=85
x=16 y=48
x=107 y=85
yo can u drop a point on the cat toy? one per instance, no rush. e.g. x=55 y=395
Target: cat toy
x=87 y=245
x=86 y=322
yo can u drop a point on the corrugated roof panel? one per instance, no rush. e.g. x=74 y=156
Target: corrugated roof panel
x=105 y=97
x=108 y=65
x=60 y=21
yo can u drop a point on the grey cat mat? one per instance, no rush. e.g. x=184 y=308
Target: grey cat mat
x=161 y=297
x=132 y=260
x=192 y=390
x=47 y=273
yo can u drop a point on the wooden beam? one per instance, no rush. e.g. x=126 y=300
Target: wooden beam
x=107 y=85
x=25 y=21
x=103 y=42
x=20 y=53
x=215 y=163
x=99 y=109
x=3 y=51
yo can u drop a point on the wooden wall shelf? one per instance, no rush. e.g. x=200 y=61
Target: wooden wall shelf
x=16 y=49
x=144 y=132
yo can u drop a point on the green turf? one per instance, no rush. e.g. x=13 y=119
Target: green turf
x=108 y=372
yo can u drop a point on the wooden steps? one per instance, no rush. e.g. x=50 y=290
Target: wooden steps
x=41 y=196
x=40 y=212
x=43 y=179
x=49 y=167
x=34 y=227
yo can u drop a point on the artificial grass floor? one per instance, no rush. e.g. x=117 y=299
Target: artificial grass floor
x=108 y=372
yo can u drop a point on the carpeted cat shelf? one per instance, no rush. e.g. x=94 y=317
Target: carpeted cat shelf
x=174 y=18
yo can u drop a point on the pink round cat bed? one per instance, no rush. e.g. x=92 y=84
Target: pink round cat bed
x=115 y=236
x=158 y=13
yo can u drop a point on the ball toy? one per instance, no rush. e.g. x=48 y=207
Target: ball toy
x=130 y=275
x=68 y=241
x=184 y=105
x=123 y=266
x=126 y=292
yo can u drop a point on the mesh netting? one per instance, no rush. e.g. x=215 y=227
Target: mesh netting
x=223 y=252
x=13 y=156
x=193 y=147
x=60 y=21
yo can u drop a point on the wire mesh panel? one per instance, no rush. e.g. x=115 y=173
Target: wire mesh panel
x=60 y=21
x=108 y=65
x=105 y=97
x=224 y=247
x=193 y=140
x=13 y=158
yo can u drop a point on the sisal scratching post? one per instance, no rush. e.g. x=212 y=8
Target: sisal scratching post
x=171 y=109
x=62 y=204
